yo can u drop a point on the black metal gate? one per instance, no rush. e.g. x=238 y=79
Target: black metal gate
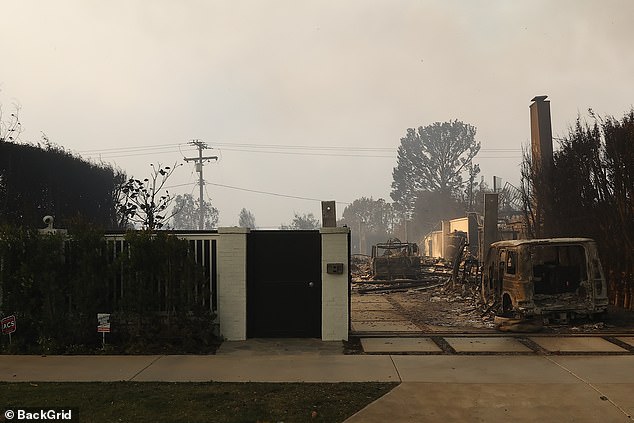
x=284 y=284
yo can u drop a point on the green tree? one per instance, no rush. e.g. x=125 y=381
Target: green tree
x=246 y=219
x=434 y=158
x=186 y=213
x=304 y=221
x=371 y=221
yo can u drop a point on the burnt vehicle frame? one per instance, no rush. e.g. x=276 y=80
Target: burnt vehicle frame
x=555 y=277
x=396 y=260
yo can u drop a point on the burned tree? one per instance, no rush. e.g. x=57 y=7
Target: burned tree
x=592 y=189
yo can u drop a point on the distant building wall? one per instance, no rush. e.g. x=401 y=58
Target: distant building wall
x=438 y=243
x=460 y=225
x=433 y=244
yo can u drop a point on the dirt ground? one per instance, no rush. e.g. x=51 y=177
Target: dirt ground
x=434 y=306
x=438 y=308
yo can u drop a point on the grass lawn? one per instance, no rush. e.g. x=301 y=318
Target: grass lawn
x=197 y=402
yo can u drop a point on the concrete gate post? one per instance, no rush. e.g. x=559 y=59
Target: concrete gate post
x=334 y=290
x=232 y=283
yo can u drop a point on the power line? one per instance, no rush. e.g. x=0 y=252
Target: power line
x=269 y=193
x=309 y=153
x=237 y=145
x=132 y=155
x=304 y=147
x=261 y=148
x=255 y=191
x=335 y=148
x=207 y=192
x=100 y=156
x=133 y=151
x=140 y=147
x=141 y=151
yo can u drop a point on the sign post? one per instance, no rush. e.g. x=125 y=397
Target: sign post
x=8 y=326
x=103 y=326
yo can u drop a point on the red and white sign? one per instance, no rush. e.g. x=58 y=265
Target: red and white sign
x=103 y=322
x=8 y=325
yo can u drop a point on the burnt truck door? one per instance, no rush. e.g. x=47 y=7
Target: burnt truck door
x=514 y=289
x=499 y=273
x=493 y=278
x=488 y=277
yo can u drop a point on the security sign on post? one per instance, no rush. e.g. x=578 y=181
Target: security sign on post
x=103 y=326
x=8 y=326
x=103 y=322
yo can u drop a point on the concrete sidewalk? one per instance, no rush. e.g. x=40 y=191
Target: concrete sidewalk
x=507 y=388
x=435 y=387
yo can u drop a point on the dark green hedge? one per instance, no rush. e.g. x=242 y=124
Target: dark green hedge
x=56 y=285
x=38 y=181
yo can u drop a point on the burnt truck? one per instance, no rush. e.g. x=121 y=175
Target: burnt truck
x=396 y=260
x=558 y=277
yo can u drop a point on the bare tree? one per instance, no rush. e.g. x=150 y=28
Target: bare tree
x=591 y=193
x=528 y=193
x=10 y=128
x=145 y=202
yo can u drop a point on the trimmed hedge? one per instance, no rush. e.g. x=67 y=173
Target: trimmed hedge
x=55 y=286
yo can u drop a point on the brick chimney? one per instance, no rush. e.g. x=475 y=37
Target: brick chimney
x=542 y=163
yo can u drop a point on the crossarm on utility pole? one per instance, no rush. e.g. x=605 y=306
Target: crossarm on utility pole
x=201 y=181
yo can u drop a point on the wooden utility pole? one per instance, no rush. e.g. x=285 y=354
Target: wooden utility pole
x=201 y=181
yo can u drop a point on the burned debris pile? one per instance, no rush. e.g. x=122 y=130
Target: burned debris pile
x=464 y=294
x=396 y=266
x=435 y=294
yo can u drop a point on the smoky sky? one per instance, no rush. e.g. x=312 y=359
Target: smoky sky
x=304 y=98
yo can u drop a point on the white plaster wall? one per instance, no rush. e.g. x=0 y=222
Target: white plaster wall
x=436 y=244
x=334 y=288
x=440 y=240
x=232 y=283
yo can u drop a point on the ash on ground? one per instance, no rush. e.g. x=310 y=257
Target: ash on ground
x=434 y=303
